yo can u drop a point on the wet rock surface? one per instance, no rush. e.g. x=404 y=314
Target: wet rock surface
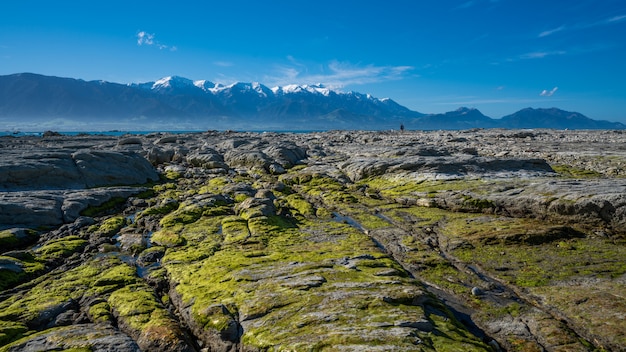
x=445 y=240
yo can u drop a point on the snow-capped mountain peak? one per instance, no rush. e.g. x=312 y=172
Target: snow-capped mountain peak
x=297 y=88
x=172 y=82
x=204 y=84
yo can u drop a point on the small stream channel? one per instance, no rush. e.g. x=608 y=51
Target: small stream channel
x=132 y=259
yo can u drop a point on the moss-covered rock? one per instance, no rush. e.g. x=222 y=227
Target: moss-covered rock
x=110 y=226
x=61 y=248
x=141 y=314
x=17 y=238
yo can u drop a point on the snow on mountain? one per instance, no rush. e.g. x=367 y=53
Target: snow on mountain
x=295 y=89
x=181 y=103
x=204 y=84
x=176 y=82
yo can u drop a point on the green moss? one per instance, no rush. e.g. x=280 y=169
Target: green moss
x=240 y=197
x=10 y=239
x=574 y=172
x=369 y=221
x=100 y=312
x=138 y=307
x=110 y=226
x=494 y=229
x=234 y=229
x=11 y=331
x=394 y=187
x=30 y=266
x=215 y=185
x=289 y=311
x=168 y=237
x=301 y=205
x=166 y=206
x=94 y=278
x=105 y=207
x=61 y=248
x=162 y=188
x=478 y=203
x=7 y=239
x=539 y=265
x=171 y=175
x=184 y=215
x=63 y=339
x=456 y=338
x=118 y=275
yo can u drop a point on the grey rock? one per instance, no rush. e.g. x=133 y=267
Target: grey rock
x=157 y=156
x=304 y=283
x=102 y=168
x=129 y=140
x=33 y=209
x=102 y=338
x=43 y=169
x=18 y=237
x=150 y=255
x=252 y=159
x=207 y=158
x=167 y=140
x=255 y=207
x=287 y=154
x=422 y=325
x=11 y=265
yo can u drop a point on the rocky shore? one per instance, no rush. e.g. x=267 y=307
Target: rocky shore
x=477 y=240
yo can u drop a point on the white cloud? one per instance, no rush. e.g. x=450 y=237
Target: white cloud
x=551 y=31
x=145 y=38
x=541 y=54
x=548 y=93
x=339 y=74
x=578 y=26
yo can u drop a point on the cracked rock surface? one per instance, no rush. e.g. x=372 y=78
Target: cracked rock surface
x=481 y=240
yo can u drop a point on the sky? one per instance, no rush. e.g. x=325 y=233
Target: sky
x=498 y=56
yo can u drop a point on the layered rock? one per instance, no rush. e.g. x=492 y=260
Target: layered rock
x=466 y=240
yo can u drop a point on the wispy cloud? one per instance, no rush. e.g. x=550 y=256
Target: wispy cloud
x=541 y=54
x=583 y=25
x=548 y=93
x=339 y=74
x=551 y=31
x=616 y=19
x=147 y=39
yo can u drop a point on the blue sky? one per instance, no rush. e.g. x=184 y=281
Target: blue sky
x=432 y=56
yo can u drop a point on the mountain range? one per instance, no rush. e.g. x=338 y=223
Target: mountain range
x=37 y=102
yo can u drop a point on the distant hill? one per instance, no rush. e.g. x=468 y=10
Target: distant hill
x=554 y=118
x=460 y=119
x=37 y=102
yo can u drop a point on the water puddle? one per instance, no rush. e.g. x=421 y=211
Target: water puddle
x=348 y=220
x=143 y=271
x=147 y=239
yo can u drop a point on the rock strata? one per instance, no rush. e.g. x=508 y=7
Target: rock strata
x=475 y=240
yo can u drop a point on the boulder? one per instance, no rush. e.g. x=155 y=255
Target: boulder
x=101 y=338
